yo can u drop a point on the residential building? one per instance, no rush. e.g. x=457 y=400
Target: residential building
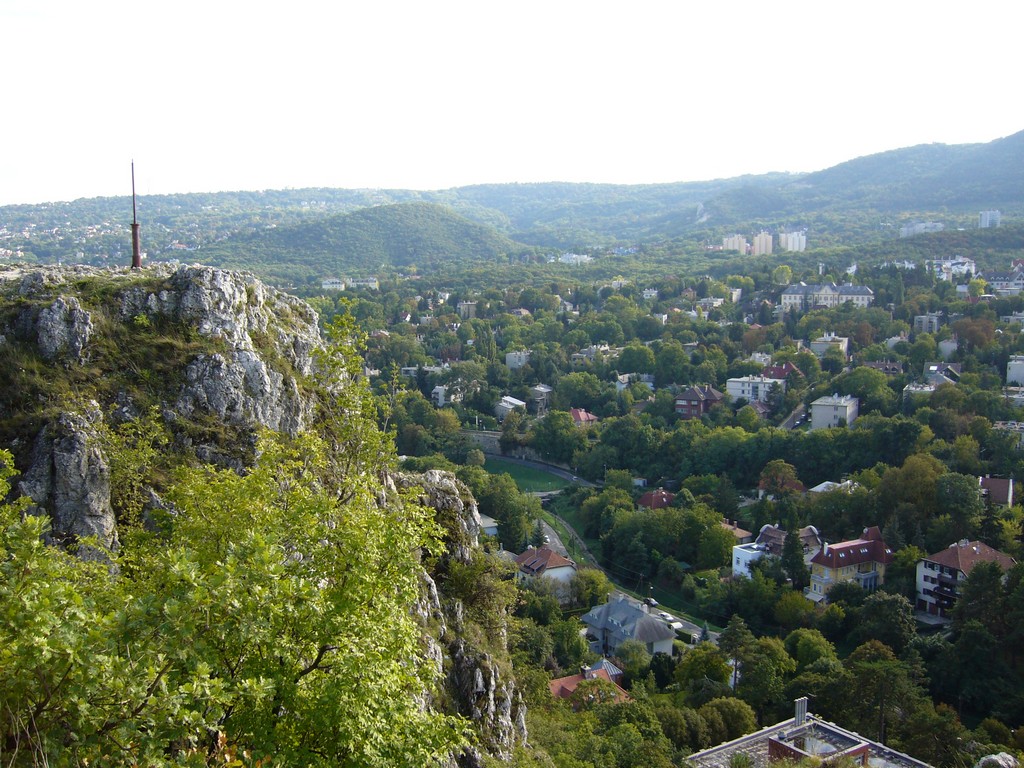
x=442 y=395
x=1015 y=370
x=752 y=388
x=545 y=563
x=693 y=402
x=997 y=490
x=742 y=536
x=466 y=309
x=1014 y=396
x=929 y=323
x=488 y=525
x=516 y=360
x=1005 y=283
x=823 y=344
x=762 y=244
x=888 y=367
x=370 y=283
x=412 y=371
x=861 y=561
x=650 y=293
x=770 y=541
x=792 y=241
x=656 y=499
x=565 y=687
x=920 y=228
x=506 y=405
x=988 y=219
x=940 y=576
x=582 y=418
x=834 y=411
x=950 y=269
x=801 y=296
x=941 y=373
x=540 y=395
x=804 y=739
x=735 y=243
x=332 y=284
x=782 y=371
x=622 y=618
x=1014 y=318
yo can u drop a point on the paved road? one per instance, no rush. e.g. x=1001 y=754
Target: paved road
x=544 y=467
x=798 y=413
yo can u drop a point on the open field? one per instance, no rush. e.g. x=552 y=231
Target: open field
x=528 y=479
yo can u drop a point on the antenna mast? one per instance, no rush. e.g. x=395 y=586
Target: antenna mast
x=136 y=244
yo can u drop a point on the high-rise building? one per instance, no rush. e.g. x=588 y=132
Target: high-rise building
x=792 y=241
x=762 y=244
x=988 y=219
x=735 y=243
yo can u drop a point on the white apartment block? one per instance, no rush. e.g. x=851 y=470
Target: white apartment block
x=514 y=360
x=752 y=388
x=762 y=244
x=833 y=410
x=792 y=241
x=988 y=219
x=1015 y=370
x=735 y=243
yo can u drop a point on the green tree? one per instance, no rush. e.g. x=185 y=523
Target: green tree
x=702 y=668
x=735 y=641
x=766 y=668
x=230 y=627
x=879 y=690
x=888 y=618
x=793 y=561
x=736 y=715
x=537 y=536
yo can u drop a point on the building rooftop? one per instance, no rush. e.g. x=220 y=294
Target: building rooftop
x=964 y=555
x=802 y=736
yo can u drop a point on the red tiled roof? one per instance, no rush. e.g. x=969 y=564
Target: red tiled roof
x=580 y=416
x=563 y=687
x=868 y=549
x=536 y=561
x=779 y=371
x=964 y=555
x=657 y=499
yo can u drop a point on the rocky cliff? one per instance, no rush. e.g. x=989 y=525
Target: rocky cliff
x=219 y=353
x=216 y=356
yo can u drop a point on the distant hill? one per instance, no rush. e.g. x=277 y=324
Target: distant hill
x=401 y=236
x=307 y=233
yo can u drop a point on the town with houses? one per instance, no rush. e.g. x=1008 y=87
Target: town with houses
x=599 y=383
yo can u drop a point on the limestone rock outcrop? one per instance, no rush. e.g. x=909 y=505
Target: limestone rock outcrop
x=265 y=341
x=69 y=479
x=478 y=684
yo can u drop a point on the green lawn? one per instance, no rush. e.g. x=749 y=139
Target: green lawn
x=528 y=479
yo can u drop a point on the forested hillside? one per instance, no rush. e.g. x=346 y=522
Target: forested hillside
x=862 y=201
x=400 y=237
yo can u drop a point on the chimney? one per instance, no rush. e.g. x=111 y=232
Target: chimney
x=800 y=714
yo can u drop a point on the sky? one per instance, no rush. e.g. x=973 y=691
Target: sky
x=223 y=95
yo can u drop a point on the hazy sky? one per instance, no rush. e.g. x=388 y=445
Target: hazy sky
x=223 y=95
